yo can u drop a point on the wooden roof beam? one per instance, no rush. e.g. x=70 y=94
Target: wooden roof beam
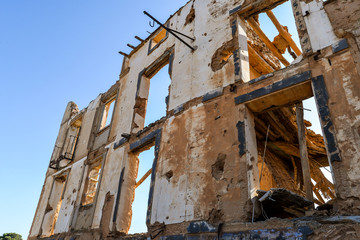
x=283 y=32
x=254 y=57
x=255 y=26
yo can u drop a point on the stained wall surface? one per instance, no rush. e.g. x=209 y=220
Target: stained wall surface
x=205 y=174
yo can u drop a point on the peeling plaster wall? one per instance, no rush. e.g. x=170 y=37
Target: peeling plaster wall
x=40 y=211
x=344 y=17
x=125 y=104
x=206 y=181
x=194 y=83
x=86 y=128
x=200 y=79
x=109 y=183
x=320 y=31
x=124 y=213
x=342 y=83
x=207 y=164
x=69 y=201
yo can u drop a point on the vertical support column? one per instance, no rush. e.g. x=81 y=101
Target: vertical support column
x=248 y=152
x=241 y=55
x=321 y=98
x=301 y=27
x=142 y=93
x=303 y=151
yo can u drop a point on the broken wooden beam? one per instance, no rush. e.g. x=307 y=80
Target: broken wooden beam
x=303 y=151
x=280 y=202
x=143 y=178
x=131 y=46
x=283 y=32
x=138 y=38
x=255 y=26
x=254 y=57
x=124 y=54
x=318 y=195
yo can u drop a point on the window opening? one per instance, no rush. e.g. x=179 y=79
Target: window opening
x=266 y=55
x=107 y=114
x=311 y=114
x=142 y=188
x=158 y=38
x=92 y=183
x=71 y=142
x=63 y=156
x=159 y=89
x=280 y=172
x=54 y=205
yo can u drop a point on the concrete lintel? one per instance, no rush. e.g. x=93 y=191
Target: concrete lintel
x=179 y=109
x=120 y=142
x=234 y=10
x=201 y=227
x=145 y=140
x=262 y=77
x=213 y=94
x=340 y=45
x=288 y=82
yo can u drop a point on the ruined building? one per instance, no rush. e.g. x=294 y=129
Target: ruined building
x=234 y=157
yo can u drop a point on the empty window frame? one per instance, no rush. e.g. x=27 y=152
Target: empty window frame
x=159 y=88
x=71 y=141
x=92 y=183
x=153 y=93
x=63 y=156
x=157 y=39
x=107 y=114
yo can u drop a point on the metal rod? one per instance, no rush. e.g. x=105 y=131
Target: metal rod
x=263 y=158
x=170 y=31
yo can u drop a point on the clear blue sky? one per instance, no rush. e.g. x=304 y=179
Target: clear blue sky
x=52 y=52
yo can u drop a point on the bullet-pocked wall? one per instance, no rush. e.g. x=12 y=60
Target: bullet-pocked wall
x=205 y=172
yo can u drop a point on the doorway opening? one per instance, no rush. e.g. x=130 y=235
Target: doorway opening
x=291 y=157
x=142 y=189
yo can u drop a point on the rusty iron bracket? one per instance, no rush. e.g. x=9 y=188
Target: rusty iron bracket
x=171 y=31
